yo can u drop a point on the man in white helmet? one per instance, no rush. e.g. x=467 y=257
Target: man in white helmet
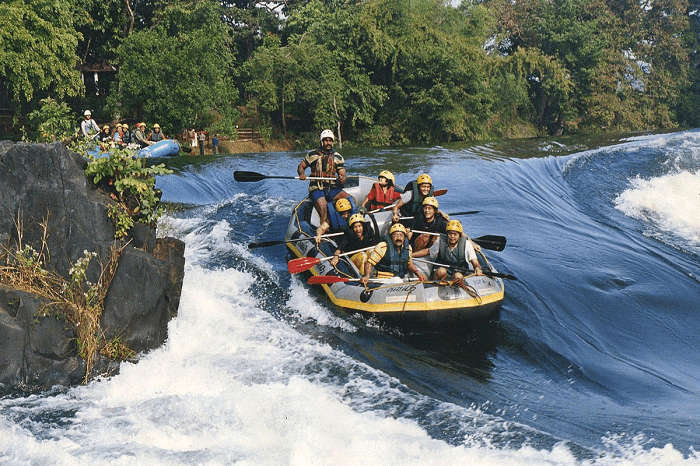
x=88 y=125
x=327 y=163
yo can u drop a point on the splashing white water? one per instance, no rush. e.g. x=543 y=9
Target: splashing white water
x=235 y=385
x=671 y=202
x=308 y=309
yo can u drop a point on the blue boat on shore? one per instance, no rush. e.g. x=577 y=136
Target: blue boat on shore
x=164 y=148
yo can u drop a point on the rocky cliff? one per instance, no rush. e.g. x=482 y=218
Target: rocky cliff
x=38 y=349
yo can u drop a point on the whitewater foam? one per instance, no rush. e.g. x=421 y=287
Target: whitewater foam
x=234 y=384
x=671 y=202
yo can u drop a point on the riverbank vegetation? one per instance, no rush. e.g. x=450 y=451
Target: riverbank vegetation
x=378 y=72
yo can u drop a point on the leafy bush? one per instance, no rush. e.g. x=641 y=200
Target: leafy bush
x=227 y=125
x=376 y=136
x=132 y=184
x=51 y=122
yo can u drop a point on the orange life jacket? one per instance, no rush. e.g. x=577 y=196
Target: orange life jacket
x=382 y=199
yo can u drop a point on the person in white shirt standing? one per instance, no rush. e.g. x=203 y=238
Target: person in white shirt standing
x=88 y=125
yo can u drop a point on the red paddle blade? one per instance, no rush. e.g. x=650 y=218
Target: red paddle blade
x=302 y=264
x=325 y=280
x=439 y=192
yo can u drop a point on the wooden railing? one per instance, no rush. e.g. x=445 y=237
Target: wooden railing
x=247 y=134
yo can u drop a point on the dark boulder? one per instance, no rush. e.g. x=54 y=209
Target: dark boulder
x=38 y=348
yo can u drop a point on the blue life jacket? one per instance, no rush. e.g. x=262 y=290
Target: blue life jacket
x=393 y=261
x=337 y=222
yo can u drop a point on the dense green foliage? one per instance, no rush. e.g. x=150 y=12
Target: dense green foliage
x=132 y=184
x=380 y=71
x=38 y=44
x=178 y=72
x=52 y=122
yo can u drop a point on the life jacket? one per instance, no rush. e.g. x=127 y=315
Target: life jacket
x=455 y=256
x=382 y=199
x=394 y=261
x=156 y=136
x=126 y=137
x=350 y=242
x=336 y=221
x=325 y=167
x=415 y=205
x=140 y=138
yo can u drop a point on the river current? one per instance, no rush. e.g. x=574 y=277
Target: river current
x=594 y=359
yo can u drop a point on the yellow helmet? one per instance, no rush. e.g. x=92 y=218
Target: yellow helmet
x=431 y=201
x=454 y=225
x=156 y=125
x=105 y=127
x=356 y=218
x=424 y=178
x=125 y=126
x=342 y=205
x=388 y=175
x=397 y=227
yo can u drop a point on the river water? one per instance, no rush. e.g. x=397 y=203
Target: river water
x=595 y=357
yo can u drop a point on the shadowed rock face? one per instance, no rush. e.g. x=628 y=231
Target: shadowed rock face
x=38 y=352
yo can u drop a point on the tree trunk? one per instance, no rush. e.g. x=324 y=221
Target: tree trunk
x=340 y=136
x=131 y=17
x=284 y=120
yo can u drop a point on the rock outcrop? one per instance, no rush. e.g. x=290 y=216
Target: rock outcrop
x=47 y=181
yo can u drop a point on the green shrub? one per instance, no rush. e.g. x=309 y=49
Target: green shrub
x=376 y=136
x=51 y=122
x=132 y=185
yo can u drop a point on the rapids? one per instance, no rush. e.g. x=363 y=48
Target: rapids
x=595 y=357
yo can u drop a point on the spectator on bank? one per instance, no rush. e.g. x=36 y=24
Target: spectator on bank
x=215 y=143
x=193 y=138
x=88 y=126
x=156 y=135
x=202 y=140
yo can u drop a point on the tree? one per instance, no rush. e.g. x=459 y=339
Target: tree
x=52 y=122
x=38 y=50
x=178 y=71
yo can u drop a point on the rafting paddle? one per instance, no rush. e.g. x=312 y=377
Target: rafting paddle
x=437 y=192
x=451 y=214
x=303 y=264
x=492 y=242
x=243 y=176
x=459 y=269
x=330 y=279
x=264 y=244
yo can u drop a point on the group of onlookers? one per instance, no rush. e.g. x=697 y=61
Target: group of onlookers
x=199 y=139
x=121 y=136
x=140 y=137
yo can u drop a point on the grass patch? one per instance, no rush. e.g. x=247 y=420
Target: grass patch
x=73 y=298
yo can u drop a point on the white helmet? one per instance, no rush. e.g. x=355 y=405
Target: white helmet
x=87 y=112
x=326 y=133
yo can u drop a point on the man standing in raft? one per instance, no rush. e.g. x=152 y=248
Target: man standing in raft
x=392 y=257
x=327 y=163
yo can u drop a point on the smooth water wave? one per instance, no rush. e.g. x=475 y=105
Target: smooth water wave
x=594 y=359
